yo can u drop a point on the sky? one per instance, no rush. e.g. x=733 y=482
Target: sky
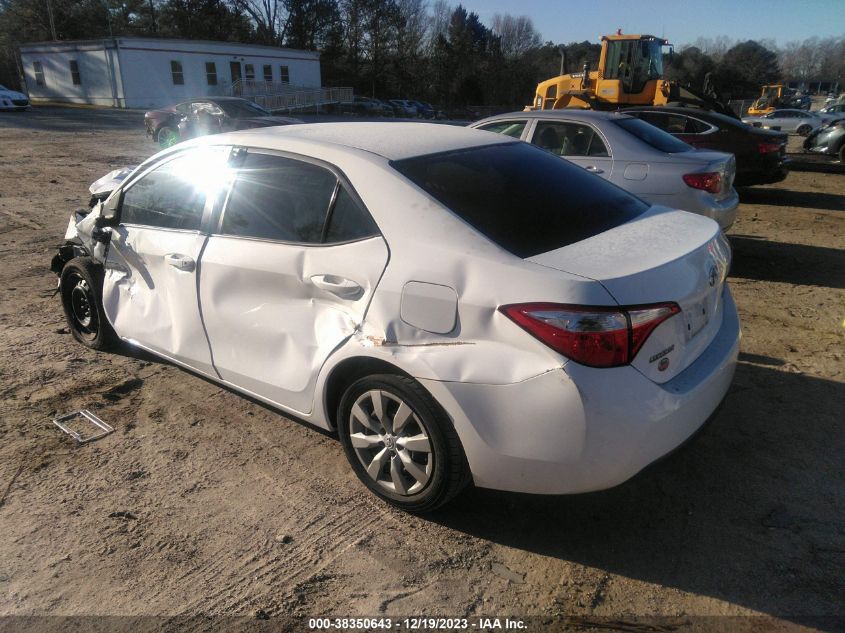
x=679 y=21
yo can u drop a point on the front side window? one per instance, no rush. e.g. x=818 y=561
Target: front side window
x=39 y=73
x=173 y=195
x=523 y=199
x=569 y=139
x=176 y=73
x=211 y=73
x=268 y=72
x=508 y=128
x=278 y=198
x=74 y=72
x=284 y=74
x=249 y=71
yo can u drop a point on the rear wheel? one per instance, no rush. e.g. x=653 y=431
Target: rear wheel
x=400 y=443
x=167 y=137
x=82 y=290
x=804 y=130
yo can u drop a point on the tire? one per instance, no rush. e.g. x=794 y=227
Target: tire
x=167 y=136
x=804 y=130
x=417 y=479
x=842 y=153
x=82 y=291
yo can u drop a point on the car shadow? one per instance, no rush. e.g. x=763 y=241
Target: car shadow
x=750 y=512
x=787 y=198
x=764 y=260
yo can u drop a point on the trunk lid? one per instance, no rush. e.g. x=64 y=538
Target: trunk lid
x=661 y=256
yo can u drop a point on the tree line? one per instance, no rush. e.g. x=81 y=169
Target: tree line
x=428 y=50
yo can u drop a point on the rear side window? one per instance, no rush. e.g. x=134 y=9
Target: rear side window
x=520 y=197
x=653 y=136
x=348 y=221
x=279 y=198
x=173 y=195
x=508 y=128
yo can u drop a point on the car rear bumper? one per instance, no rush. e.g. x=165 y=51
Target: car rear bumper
x=579 y=429
x=723 y=211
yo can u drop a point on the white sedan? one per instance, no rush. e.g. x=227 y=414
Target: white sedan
x=457 y=305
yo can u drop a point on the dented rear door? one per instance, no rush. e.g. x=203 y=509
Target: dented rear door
x=287 y=276
x=150 y=285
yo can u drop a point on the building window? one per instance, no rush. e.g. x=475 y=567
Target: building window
x=268 y=72
x=176 y=72
x=211 y=73
x=249 y=71
x=74 y=72
x=39 y=73
x=284 y=74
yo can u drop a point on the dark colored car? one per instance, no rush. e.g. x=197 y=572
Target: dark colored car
x=424 y=110
x=829 y=139
x=760 y=154
x=207 y=115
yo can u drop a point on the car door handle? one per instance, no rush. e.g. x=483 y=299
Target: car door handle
x=182 y=262
x=340 y=286
x=594 y=169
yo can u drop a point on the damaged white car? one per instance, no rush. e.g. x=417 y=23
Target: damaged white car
x=458 y=305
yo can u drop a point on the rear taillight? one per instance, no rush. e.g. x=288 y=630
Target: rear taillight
x=708 y=181
x=592 y=336
x=768 y=148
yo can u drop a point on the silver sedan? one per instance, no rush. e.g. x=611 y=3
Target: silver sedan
x=627 y=151
x=787 y=120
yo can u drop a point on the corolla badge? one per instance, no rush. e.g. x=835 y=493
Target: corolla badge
x=713 y=276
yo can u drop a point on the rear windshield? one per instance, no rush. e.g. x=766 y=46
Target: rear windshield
x=654 y=136
x=523 y=198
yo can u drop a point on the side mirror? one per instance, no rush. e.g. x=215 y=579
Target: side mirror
x=111 y=207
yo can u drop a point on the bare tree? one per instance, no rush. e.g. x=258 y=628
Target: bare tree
x=441 y=14
x=517 y=34
x=269 y=17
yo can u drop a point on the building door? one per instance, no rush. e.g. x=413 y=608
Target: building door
x=235 y=68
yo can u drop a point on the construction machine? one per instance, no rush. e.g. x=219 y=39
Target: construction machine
x=630 y=72
x=773 y=97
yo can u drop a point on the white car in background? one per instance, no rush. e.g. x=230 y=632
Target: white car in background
x=457 y=305
x=12 y=99
x=635 y=155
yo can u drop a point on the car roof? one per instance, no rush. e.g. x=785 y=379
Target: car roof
x=699 y=113
x=563 y=113
x=390 y=140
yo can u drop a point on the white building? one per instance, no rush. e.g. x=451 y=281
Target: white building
x=130 y=72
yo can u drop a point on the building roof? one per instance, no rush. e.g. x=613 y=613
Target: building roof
x=390 y=140
x=157 y=42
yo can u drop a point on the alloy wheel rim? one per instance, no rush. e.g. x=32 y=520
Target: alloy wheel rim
x=391 y=442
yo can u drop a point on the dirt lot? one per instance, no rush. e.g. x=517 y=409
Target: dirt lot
x=203 y=502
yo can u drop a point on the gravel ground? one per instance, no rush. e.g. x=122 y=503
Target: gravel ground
x=204 y=502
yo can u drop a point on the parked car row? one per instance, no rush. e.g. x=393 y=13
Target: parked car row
x=456 y=304
x=403 y=108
